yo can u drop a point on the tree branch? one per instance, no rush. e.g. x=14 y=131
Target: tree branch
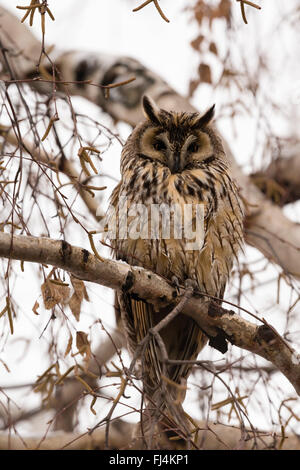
x=156 y=6
x=212 y=319
x=211 y=436
x=120 y=436
x=284 y=171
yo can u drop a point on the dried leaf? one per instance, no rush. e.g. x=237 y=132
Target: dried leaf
x=69 y=345
x=193 y=86
x=205 y=73
x=224 y=9
x=196 y=43
x=35 y=307
x=213 y=48
x=82 y=342
x=204 y=11
x=75 y=304
x=85 y=294
x=201 y=11
x=79 y=294
x=54 y=294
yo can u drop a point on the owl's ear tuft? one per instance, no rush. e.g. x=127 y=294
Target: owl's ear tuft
x=206 y=118
x=151 y=110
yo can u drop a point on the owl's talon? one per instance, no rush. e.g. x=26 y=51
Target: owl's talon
x=190 y=283
x=175 y=283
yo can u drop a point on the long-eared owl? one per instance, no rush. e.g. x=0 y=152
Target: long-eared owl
x=175 y=158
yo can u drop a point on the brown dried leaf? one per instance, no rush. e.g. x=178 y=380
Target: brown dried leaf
x=35 y=307
x=205 y=73
x=82 y=343
x=79 y=287
x=79 y=294
x=193 y=86
x=69 y=345
x=85 y=294
x=213 y=48
x=203 y=11
x=224 y=9
x=75 y=304
x=54 y=294
x=196 y=43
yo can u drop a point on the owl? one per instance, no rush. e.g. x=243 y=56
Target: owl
x=174 y=159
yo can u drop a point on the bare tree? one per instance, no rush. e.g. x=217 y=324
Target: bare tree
x=55 y=176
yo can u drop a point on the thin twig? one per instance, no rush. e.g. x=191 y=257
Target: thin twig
x=157 y=7
x=243 y=12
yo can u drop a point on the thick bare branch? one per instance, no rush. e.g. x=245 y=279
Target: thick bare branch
x=120 y=436
x=211 y=436
x=285 y=172
x=24 y=45
x=214 y=320
x=268 y=229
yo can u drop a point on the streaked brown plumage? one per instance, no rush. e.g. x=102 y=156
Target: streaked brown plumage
x=177 y=158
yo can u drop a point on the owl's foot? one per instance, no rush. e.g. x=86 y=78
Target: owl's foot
x=175 y=283
x=188 y=284
x=191 y=283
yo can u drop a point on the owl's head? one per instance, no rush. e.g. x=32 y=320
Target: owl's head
x=177 y=140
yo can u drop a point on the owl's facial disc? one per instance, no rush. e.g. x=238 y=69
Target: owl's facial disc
x=178 y=154
x=191 y=151
x=176 y=140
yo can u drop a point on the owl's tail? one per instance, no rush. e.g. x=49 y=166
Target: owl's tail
x=164 y=424
x=164 y=385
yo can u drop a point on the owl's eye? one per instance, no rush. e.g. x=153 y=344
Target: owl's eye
x=159 y=145
x=193 y=147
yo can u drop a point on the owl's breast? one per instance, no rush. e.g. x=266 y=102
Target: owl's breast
x=185 y=225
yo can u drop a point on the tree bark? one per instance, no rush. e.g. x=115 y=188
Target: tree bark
x=212 y=319
x=284 y=171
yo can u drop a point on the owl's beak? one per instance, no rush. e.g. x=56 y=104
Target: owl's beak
x=175 y=166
